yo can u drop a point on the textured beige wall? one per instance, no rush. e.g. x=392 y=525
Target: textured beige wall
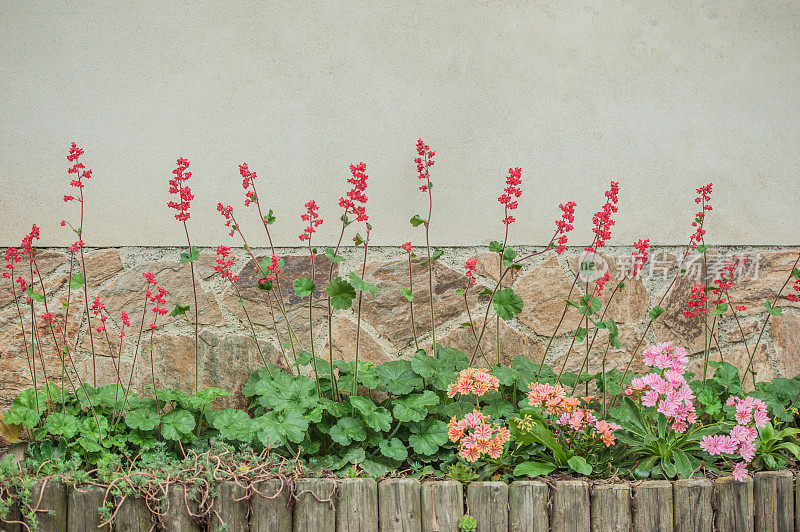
x=662 y=96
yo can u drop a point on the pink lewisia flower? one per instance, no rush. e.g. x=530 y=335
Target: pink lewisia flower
x=710 y=444
x=739 y=471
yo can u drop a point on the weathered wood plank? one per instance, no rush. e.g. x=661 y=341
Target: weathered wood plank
x=442 y=505
x=230 y=508
x=83 y=505
x=652 y=508
x=570 y=507
x=270 y=507
x=315 y=509
x=692 y=508
x=487 y=502
x=735 y=511
x=133 y=516
x=11 y=521
x=611 y=508
x=527 y=506
x=50 y=500
x=178 y=518
x=797 y=504
x=399 y=505
x=357 y=505
x=774 y=501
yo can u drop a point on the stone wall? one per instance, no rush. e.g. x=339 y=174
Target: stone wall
x=228 y=355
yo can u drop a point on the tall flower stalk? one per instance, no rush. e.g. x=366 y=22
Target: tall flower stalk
x=312 y=219
x=424 y=161
x=81 y=173
x=409 y=294
x=506 y=199
x=177 y=186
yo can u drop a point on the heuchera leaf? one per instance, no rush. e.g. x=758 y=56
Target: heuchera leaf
x=407 y=293
x=507 y=304
x=179 y=309
x=332 y=256
x=76 y=280
x=341 y=293
x=416 y=221
x=774 y=311
x=190 y=256
x=360 y=284
x=304 y=286
x=656 y=311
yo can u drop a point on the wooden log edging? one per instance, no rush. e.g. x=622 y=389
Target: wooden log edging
x=770 y=501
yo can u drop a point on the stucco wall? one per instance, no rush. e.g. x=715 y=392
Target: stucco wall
x=662 y=96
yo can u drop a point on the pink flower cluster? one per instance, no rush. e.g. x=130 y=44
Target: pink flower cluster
x=564 y=225
x=176 y=186
x=601 y=221
x=247 y=178
x=77 y=168
x=406 y=247
x=11 y=258
x=470 y=267
x=703 y=196
x=274 y=269
x=356 y=194
x=473 y=381
x=741 y=439
x=97 y=309
x=477 y=436
x=424 y=162
x=227 y=213
x=639 y=256
x=668 y=392
x=312 y=217
x=513 y=181
x=582 y=419
x=157 y=297
x=224 y=263
x=796 y=288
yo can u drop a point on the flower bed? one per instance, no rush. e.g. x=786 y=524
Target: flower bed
x=441 y=413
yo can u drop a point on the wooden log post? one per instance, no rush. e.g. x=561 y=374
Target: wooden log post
x=357 y=505
x=487 y=502
x=652 y=506
x=11 y=522
x=774 y=501
x=270 y=507
x=611 y=508
x=133 y=515
x=442 y=504
x=735 y=511
x=527 y=506
x=49 y=499
x=83 y=509
x=797 y=504
x=692 y=508
x=178 y=518
x=399 y=505
x=230 y=508
x=570 y=506
x=315 y=508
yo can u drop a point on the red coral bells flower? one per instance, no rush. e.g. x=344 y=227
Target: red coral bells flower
x=703 y=197
x=600 y=284
x=639 y=256
x=247 y=179
x=602 y=221
x=356 y=194
x=471 y=266
x=77 y=168
x=176 y=186
x=564 y=225
x=27 y=241
x=47 y=317
x=11 y=257
x=406 y=247
x=424 y=162
x=794 y=297
x=224 y=264
x=151 y=279
x=227 y=213
x=512 y=190
x=312 y=217
x=698 y=299
x=125 y=320
x=274 y=269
